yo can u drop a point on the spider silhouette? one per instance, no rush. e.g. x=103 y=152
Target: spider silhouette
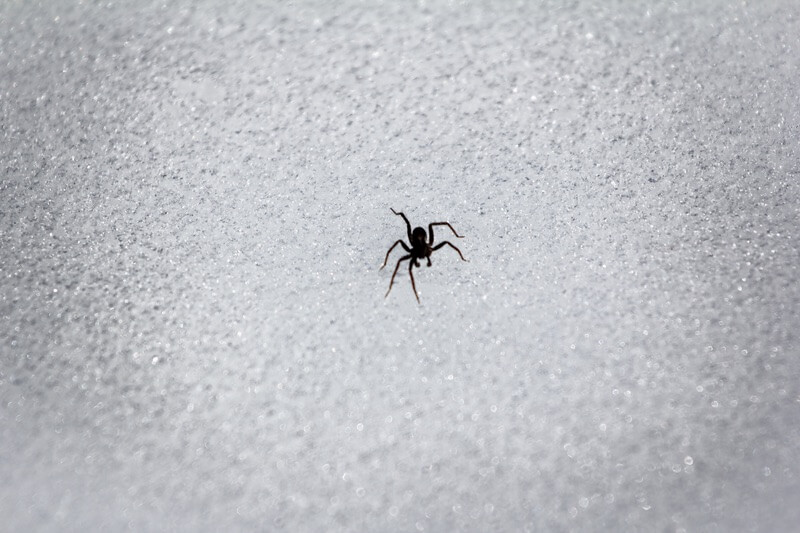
x=421 y=248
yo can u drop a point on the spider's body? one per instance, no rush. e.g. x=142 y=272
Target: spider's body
x=421 y=248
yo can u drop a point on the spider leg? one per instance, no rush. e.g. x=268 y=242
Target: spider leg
x=395 y=272
x=451 y=246
x=432 y=224
x=400 y=242
x=408 y=224
x=413 y=285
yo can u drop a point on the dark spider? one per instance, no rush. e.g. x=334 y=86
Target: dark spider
x=420 y=249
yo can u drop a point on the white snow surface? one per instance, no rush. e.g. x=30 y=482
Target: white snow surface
x=195 y=203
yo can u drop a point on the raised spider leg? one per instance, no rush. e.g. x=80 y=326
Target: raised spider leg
x=451 y=246
x=400 y=242
x=432 y=224
x=413 y=285
x=408 y=224
x=395 y=272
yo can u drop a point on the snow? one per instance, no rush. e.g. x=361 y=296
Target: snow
x=195 y=203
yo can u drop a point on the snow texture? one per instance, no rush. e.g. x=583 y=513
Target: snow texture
x=195 y=200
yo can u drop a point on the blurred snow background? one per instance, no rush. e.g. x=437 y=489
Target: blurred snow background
x=194 y=203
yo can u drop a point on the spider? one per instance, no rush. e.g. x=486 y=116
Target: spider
x=420 y=249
